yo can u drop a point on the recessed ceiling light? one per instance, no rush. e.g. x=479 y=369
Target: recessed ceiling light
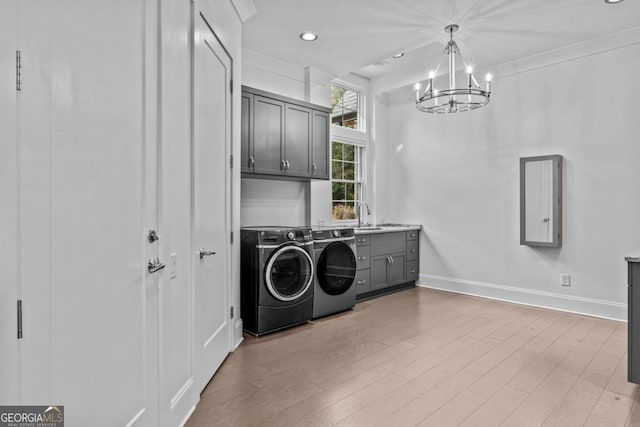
x=398 y=55
x=613 y=1
x=308 y=36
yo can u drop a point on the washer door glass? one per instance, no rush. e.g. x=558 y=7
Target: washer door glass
x=336 y=268
x=289 y=273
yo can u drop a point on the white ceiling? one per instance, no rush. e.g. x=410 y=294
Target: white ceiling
x=355 y=34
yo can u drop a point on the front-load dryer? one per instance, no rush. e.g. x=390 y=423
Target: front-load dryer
x=276 y=277
x=335 y=260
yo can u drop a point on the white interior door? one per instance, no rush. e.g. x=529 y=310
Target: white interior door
x=83 y=165
x=211 y=183
x=8 y=212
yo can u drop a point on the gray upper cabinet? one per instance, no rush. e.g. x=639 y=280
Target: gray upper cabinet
x=268 y=135
x=246 y=136
x=320 y=159
x=297 y=141
x=282 y=137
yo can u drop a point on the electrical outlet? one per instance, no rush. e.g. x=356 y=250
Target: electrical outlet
x=565 y=279
x=173 y=266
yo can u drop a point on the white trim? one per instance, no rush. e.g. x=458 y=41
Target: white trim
x=252 y=58
x=191 y=411
x=245 y=9
x=181 y=393
x=568 y=303
x=136 y=417
x=348 y=135
x=238 y=333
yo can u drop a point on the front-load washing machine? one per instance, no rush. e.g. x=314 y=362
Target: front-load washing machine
x=276 y=277
x=335 y=260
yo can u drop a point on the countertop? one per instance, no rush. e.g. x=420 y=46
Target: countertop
x=385 y=228
x=633 y=256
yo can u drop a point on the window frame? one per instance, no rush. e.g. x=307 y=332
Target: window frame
x=359 y=138
x=357 y=181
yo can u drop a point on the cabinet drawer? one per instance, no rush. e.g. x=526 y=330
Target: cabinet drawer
x=412 y=250
x=362 y=257
x=413 y=234
x=388 y=243
x=412 y=270
x=362 y=239
x=362 y=281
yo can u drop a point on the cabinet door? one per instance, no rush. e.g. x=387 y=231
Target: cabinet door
x=379 y=277
x=320 y=160
x=633 y=331
x=268 y=135
x=246 y=133
x=297 y=152
x=397 y=269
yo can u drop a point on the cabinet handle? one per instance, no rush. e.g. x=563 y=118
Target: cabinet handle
x=361 y=282
x=389 y=260
x=252 y=162
x=413 y=251
x=412 y=235
x=362 y=240
x=314 y=168
x=412 y=271
x=283 y=166
x=288 y=165
x=362 y=258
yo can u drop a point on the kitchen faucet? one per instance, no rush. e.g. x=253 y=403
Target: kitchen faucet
x=359 y=211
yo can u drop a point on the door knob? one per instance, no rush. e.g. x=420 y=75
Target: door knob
x=204 y=253
x=154 y=265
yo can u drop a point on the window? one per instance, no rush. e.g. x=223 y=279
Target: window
x=346 y=180
x=348 y=141
x=345 y=106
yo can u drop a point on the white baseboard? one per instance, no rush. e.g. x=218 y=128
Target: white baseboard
x=572 y=304
x=237 y=334
x=186 y=418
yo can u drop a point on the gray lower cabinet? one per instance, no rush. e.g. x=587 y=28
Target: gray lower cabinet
x=633 y=325
x=386 y=259
x=387 y=270
x=283 y=137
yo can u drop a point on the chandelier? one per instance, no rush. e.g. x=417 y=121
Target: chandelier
x=453 y=100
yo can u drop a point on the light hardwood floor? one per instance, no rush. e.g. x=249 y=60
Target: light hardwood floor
x=429 y=358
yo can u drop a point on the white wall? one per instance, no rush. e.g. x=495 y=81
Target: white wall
x=458 y=175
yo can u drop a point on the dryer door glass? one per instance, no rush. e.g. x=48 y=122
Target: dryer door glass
x=336 y=268
x=289 y=273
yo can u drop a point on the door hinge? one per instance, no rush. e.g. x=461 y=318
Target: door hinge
x=232 y=237
x=231 y=313
x=231 y=86
x=18 y=71
x=231 y=161
x=19 y=319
